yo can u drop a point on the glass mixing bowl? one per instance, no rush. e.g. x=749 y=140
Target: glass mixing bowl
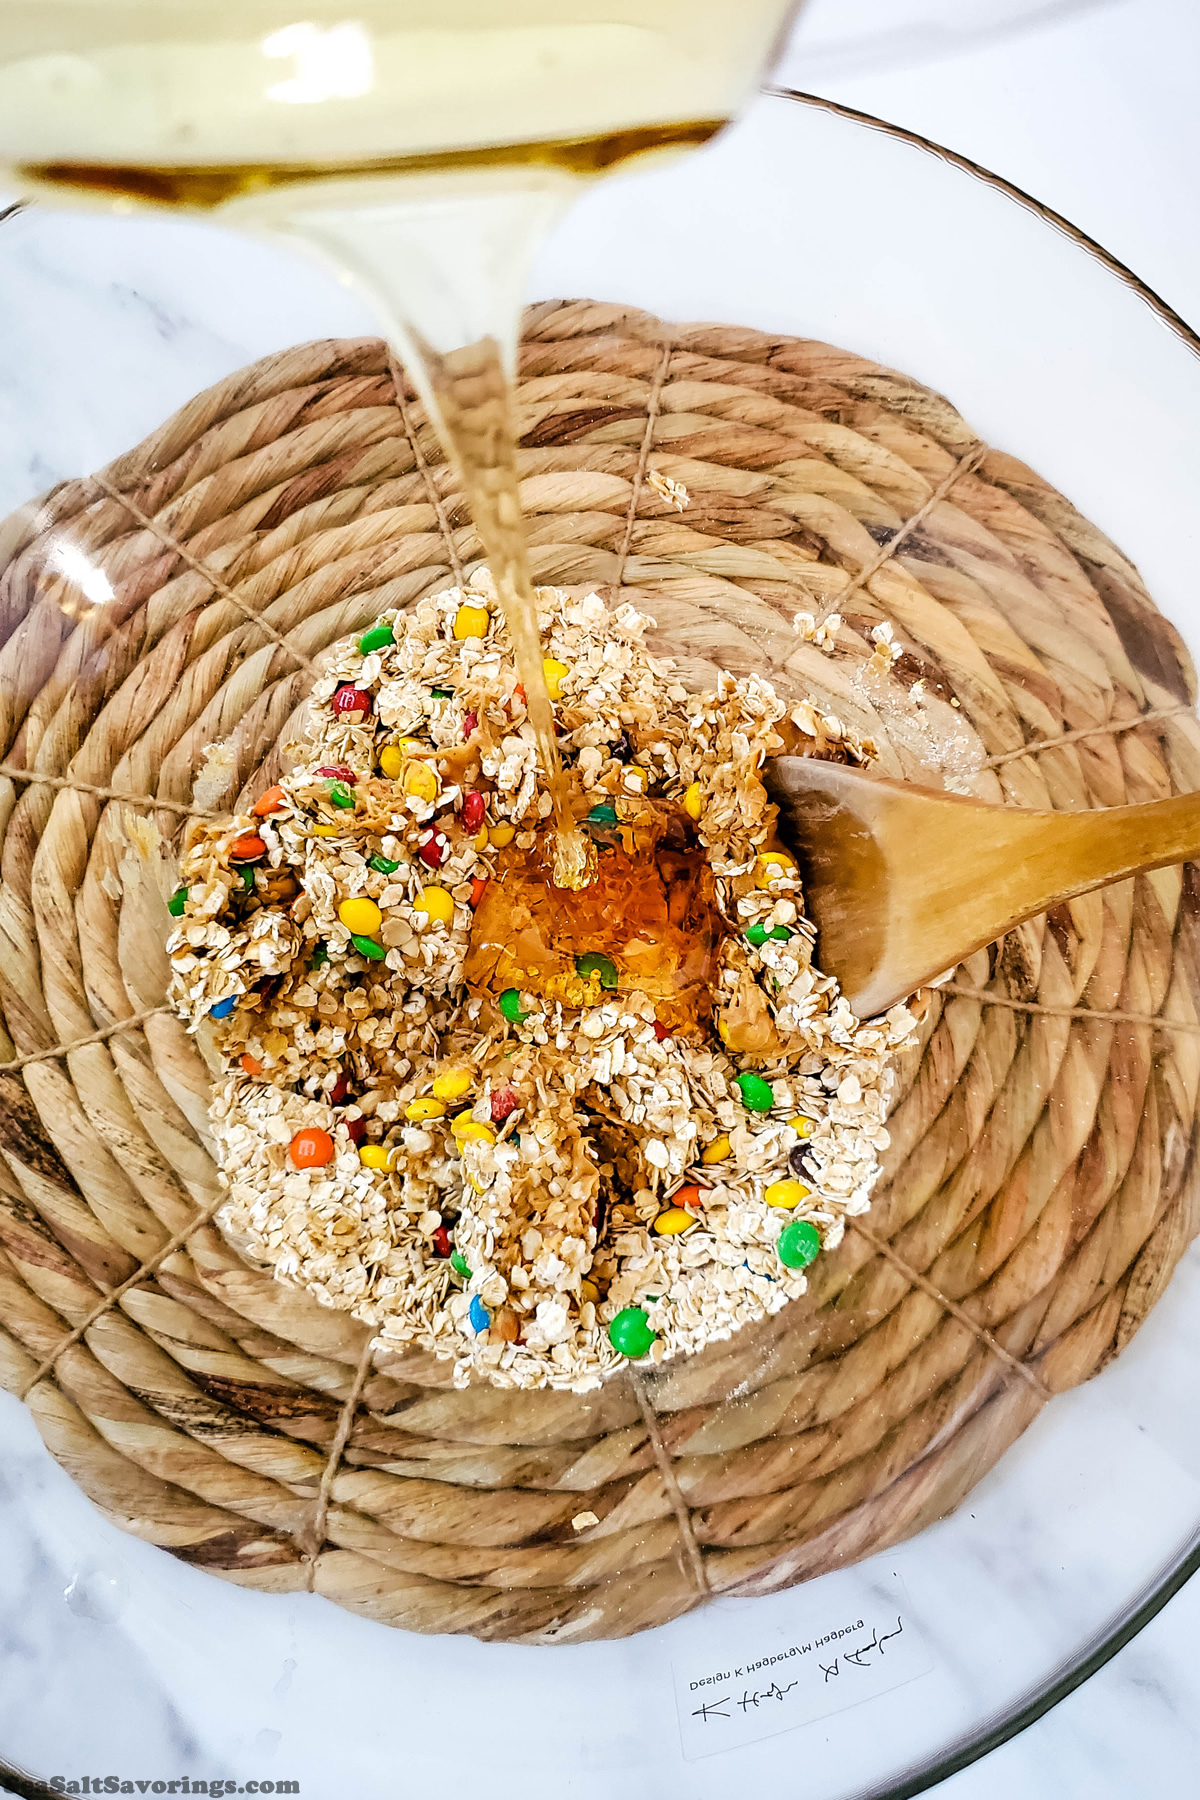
x=119 y=1658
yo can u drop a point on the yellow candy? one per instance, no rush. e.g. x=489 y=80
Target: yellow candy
x=374 y=1156
x=436 y=904
x=502 y=835
x=480 y=840
x=589 y=1291
x=635 y=779
x=771 y=865
x=452 y=1084
x=469 y=1130
x=801 y=1126
x=391 y=761
x=674 y=1221
x=420 y=781
x=693 y=801
x=554 y=672
x=361 y=917
x=786 y=1193
x=471 y=621
x=718 y=1150
x=424 y=1108
x=325 y=830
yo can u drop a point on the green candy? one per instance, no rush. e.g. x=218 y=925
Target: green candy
x=630 y=1332
x=320 y=957
x=757 y=1095
x=383 y=865
x=248 y=881
x=510 y=1006
x=368 y=947
x=341 y=796
x=442 y=693
x=758 y=934
x=460 y=1265
x=602 y=815
x=596 y=964
x=378 y=638
x=177 y=903
x=798 y=1244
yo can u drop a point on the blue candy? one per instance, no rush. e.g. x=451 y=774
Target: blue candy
x=479 y=1315
x=223 y=1008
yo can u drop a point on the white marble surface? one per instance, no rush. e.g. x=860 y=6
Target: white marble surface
x=114 y=1658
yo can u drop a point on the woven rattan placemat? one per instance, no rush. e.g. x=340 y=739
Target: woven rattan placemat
x=1039 y=1188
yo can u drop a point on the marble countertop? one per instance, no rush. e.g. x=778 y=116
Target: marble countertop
x=115 y=1658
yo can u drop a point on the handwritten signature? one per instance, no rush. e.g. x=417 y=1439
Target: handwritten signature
x=856 y=1656
x=714 y=1709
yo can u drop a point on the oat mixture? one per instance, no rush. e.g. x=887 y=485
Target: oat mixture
x=445 y=1107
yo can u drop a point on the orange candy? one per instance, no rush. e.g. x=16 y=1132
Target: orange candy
x=273 y=801
x=251 y=1064
x=692 y=1195
x=247 y=849
x=311 y=1148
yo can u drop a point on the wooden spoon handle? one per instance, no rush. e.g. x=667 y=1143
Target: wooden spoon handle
x=903 y=883
x=1094 y=848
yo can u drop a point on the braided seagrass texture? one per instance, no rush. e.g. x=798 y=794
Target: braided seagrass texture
x=1039 y=1188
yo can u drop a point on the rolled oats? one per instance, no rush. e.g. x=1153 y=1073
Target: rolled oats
x=507 y=1227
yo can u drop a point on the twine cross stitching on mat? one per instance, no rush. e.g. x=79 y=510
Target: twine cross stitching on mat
x=81 y=1043
x=988 y=997
x=653 y=402
x=1112 y=729
x=966 y=465
x=693 y=1560
x=312 y=1537
x=148 y=801
x=151 y=1265
x=1013 y=1363
x=414 y=443
x=200 y=567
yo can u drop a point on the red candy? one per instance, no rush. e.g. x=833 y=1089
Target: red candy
x=434 y=850
x=340 y=772
x=356 y=1130
x=441 y=1241
x=478 y=889
x=470 y=724
x=504 y=1101
x=474 y=807
x=660 y=1031
x=340 y=1089
x=351 y=699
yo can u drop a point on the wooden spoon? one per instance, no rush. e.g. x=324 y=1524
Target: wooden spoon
x=902 y=883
